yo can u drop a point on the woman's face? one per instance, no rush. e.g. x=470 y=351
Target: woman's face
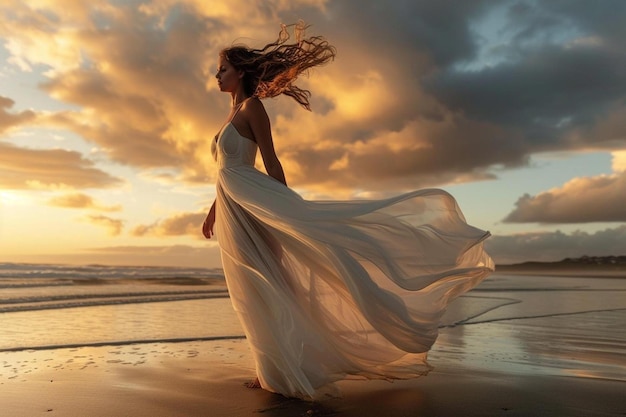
x=228 y=78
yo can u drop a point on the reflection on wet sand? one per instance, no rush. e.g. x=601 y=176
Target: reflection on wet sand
x=568 y=326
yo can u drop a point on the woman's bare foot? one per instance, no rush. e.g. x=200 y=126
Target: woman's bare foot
x=253 y=384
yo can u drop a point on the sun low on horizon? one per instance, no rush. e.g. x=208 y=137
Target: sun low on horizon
x=107 y=110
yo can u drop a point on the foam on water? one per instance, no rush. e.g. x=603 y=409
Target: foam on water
x=24 y=271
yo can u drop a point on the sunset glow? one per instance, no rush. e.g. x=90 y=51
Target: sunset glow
x=107 y=110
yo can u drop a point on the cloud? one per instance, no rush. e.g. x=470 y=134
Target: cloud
x=138 y=79
x=138 y=73
x=402 y=110
x=619 y=161
x=580 y=200
x=9 y=120
x=418 y=95
x=114 y=226
x=553 y=75
x=373 y=124
x=80 y=200
x=440 y=30
x=550 y=93
x=554 y=246
x=22 y=168
x=142 y=78
x=179 y=224
x=422 y=153
x=422 y=93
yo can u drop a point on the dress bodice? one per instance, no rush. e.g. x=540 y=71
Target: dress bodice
x=230 y=149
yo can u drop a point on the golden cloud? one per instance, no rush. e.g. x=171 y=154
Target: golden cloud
x=140 y=84
x=580 y=200
x=9 y=120
x=80 y=200
x=423 y=152
x=246 y=14
x=142 y=78
x=114 y=226
x=179 y=224
x=139 y=75
x=140 y=88
x=22 y=168
x=618 y=162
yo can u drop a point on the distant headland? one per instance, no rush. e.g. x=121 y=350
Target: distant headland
x=584 y=265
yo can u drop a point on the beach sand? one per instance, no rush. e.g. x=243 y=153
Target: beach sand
x=206 y=379
x=547 y=358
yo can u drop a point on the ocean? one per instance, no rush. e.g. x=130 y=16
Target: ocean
x=47 y=306
x=571 y=325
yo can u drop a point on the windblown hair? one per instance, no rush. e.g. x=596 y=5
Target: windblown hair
x=272 y=70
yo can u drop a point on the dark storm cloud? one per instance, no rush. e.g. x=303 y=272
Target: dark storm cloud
x=543 y=85
x=550 y=92
x=439 y=29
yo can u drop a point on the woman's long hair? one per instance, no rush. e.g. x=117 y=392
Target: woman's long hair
x=271 y=70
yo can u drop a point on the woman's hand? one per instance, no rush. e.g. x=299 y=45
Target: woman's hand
x=209 y=222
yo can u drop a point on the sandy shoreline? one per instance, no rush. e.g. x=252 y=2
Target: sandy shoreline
x=515 y=346
x=206 y=379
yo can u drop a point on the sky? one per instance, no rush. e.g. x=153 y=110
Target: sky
x=107 y=109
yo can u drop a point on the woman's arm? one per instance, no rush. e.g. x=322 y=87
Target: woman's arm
x=261 y=130
x=209 y=222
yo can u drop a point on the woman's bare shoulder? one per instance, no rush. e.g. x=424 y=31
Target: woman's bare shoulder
x=253 y=104
x=253 y=108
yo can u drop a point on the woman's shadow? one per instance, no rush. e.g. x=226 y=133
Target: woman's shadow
x=394 y=401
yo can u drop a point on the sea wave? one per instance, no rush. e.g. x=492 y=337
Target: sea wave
x=31 y=287
x=53 y=302
x=9 y=270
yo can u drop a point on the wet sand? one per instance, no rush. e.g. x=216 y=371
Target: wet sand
x=514 y=347
x=206 y=379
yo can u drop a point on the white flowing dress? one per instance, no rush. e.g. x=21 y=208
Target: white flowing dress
x=329 y=290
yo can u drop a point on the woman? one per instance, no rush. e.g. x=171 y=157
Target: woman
x=327 y=290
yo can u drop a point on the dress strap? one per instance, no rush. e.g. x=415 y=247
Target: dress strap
x=239 y=107
x=233 y=116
